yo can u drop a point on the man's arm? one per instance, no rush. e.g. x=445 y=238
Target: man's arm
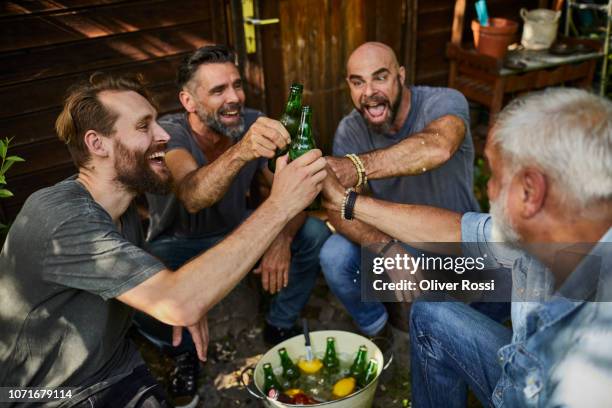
x=407 y=223
x=275 y=264
x=421 y=152
x=182 y=297
x=201 y=187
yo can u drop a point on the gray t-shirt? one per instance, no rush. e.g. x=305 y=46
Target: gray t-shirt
x=169 y=216
x=63 y=263
x=450 y=185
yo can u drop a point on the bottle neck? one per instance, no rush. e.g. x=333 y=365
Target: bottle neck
x=294 y=103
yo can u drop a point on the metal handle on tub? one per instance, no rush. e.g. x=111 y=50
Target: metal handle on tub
x=253 y=391
x=389 y=358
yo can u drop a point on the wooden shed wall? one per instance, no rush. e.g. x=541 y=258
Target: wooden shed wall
x=45 y=46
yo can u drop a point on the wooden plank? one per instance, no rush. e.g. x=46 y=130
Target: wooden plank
x=48 y=93
x=40 y=7
x=26 y=32
x=25 y=65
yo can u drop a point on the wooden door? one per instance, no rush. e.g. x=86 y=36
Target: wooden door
x=310 y=45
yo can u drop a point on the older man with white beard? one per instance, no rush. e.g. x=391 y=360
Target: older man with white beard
x=551 y=186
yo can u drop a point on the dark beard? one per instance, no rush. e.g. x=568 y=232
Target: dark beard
x=386 y=126
x=135 y=174
x=213 y=121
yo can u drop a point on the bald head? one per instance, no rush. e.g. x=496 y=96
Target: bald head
x=370 y=52
x=376 y=83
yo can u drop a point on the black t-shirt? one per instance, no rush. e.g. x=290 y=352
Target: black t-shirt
x=63 y=263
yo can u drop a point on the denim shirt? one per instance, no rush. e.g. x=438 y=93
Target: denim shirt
x=561 y=350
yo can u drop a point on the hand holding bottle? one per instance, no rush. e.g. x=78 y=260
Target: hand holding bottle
x=263 y=138
x=297 y=184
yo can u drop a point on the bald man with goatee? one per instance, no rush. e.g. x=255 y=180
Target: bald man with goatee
x=412 y=144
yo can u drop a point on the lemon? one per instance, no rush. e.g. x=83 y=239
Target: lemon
x=344 y=387
x=310 y=367
x=292 y=391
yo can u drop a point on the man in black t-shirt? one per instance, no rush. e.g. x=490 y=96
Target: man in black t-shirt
x=72 y=270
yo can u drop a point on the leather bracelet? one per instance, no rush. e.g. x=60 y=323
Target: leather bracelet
x=343 y=208
x=350 y=205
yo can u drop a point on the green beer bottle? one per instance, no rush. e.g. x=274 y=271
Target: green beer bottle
x=330 y=360
x=290 y=119
x=270 y=381
x=304 y=142
x=358 y=368
x=370 y=373
x=290 y=370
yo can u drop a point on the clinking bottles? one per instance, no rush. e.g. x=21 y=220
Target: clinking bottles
x=290 y=119
x=304 y=142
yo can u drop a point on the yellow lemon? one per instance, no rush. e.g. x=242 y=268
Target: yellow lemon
x=344 y=387
x=310 y=367
x=292 y=391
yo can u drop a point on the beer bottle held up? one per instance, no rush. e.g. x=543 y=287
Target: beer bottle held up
x=303 y=143
x=290 y=120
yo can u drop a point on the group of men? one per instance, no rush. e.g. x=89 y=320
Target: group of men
x=76 y=270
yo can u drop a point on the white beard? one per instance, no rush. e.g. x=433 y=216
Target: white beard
x=502 y=230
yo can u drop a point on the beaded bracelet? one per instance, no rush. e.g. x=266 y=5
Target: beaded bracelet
x=361 y=175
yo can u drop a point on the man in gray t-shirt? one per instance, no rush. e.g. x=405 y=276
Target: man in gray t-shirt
x=217 y=149
x=412 y=144
x=72 y=269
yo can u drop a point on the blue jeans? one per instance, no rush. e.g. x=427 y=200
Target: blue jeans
x=453 y=346
x=340 y=262
x=286 y=305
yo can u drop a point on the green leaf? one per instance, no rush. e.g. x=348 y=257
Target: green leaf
x=2 y=179
x=14 y=159
x=5 y=193
x=3 y=148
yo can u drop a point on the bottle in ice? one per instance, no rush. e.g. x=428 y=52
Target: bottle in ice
x=270 y=381
x=358 y=367
x=290 y=119
x=290 y=370
x=370 y=373
x=330 y=360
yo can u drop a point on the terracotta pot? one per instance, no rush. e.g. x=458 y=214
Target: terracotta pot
x=494 y=39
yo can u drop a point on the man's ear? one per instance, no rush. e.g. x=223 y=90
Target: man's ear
x=402 y=75
x=534 y=190
x=188 y=101
x=96 y=143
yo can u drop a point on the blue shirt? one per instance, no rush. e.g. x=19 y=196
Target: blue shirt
x=561 y=350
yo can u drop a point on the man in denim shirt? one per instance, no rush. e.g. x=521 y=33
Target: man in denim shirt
x=551 y=186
